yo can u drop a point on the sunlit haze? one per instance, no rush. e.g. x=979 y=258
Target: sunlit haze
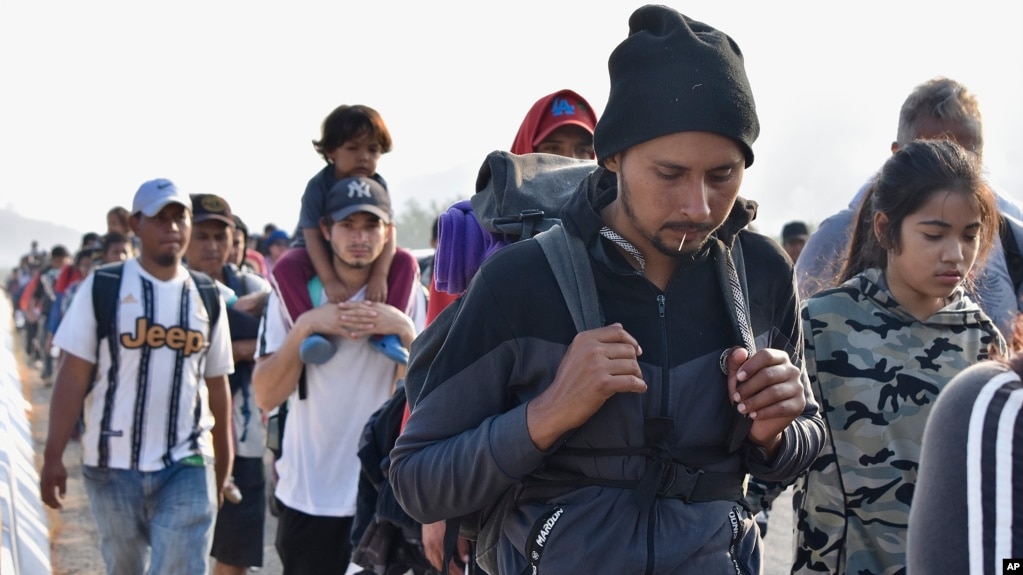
x=225 y=97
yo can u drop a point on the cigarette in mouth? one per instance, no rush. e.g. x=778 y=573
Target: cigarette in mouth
x=682 y=242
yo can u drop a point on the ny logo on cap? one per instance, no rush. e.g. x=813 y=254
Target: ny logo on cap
x=561 y=107
x=358 y=189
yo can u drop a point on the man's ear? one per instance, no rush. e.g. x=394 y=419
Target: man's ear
x=325 y=226
x=133 y=223
x=614 y=163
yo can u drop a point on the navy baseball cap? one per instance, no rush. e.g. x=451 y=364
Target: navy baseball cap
x=358 y=194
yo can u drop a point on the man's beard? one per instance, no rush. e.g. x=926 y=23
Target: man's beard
x=166 y=260
x=356 y=265
x=692 y=230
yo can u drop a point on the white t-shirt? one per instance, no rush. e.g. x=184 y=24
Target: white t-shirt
x=156 y=411
x=250 y=433
x=318 y=473
x=249 y=430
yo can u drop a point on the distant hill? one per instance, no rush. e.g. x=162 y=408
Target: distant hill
x=19 y=232
x=417 y=201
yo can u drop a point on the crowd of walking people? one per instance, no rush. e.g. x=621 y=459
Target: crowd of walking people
x=461 y=415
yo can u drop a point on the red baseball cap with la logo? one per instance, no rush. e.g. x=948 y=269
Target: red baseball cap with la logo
x=565 y=108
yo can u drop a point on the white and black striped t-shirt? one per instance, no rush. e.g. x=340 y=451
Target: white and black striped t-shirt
x=967 y=510
x=154 y=410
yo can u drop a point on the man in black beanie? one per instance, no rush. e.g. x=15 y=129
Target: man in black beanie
x=626 y=448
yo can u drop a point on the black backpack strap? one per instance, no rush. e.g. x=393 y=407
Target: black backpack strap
x=106 y=289
x=737 y=301
x=570 y=262
x=210 y=296
x=737 y=278
x=106 y=286
x=234 y=279
x=1013 y=257
x=303 y=387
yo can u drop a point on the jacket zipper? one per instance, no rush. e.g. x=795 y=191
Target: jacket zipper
x=665 y=367
x=665 y=373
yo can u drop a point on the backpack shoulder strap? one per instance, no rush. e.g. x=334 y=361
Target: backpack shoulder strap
x=210 y=296
x=571 y=265
x=235 y=279
x=106 y=284
x=106 y=287
x=1013 y=256
x=315 y=287
x=740 y=270
x=735 y=266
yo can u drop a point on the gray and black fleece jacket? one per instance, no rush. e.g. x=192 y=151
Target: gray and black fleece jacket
x=466 y=446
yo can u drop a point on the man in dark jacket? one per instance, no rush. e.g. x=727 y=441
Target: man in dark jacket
x=626 y=448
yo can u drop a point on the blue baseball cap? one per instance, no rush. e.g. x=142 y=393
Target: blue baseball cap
x=276 y=236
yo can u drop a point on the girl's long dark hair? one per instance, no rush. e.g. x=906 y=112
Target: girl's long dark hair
x=905 y=183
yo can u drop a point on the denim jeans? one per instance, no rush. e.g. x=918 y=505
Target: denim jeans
x=170 y=511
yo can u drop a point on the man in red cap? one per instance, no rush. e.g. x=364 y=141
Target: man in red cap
x=561 y=123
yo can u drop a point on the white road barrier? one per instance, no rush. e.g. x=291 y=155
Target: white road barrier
x=24 y=528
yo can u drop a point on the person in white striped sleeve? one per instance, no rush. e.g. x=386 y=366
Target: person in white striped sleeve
x=967 y=513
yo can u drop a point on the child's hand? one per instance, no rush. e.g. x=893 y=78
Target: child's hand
x=376 y=289
x=336 y=292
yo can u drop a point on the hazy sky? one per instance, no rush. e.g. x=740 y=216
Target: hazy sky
x=225 y=96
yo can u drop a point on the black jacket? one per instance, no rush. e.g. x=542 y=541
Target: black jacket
x=466 y=446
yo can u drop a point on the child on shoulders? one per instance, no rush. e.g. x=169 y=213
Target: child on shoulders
x=352 y=139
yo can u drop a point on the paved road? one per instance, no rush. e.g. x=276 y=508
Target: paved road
x=778 y=542
x=74 y=538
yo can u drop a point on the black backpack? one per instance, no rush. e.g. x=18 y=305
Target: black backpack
x=384 y=538
x=521 y=197
x=106 y=287
x=1013 y=256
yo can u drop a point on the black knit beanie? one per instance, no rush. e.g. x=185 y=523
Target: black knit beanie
x=674 y=74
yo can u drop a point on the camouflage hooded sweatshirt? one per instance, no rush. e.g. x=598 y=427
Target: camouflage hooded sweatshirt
x=876 y=371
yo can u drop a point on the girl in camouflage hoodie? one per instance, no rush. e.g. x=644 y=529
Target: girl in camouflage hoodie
x=882 y=345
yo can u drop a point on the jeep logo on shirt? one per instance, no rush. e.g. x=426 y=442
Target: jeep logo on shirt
x=156 y=336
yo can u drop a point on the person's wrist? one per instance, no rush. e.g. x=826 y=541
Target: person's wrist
x=768 y=450
x=540 y=432
x=303 y=326
x=408 y=333
x=51 y=455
